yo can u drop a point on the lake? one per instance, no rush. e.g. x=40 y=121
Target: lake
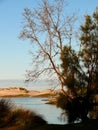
x=50 y=112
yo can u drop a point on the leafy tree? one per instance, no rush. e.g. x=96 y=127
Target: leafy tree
x=71 y=69
x=80 y=70
x=89 y=51
x=49 y=29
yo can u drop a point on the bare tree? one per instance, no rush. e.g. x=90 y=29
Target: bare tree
x=49 y=29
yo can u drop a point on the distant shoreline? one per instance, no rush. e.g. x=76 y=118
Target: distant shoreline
x=22 y=92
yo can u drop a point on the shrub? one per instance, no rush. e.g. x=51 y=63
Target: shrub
x=21 y=117
x=5 y=111
x=75 y=108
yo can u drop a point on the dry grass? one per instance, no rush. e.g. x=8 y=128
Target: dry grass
x=12 y=118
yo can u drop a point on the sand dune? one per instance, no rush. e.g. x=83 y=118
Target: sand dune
x=15 y=92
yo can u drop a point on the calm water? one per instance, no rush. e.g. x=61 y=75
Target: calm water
x=49 y=112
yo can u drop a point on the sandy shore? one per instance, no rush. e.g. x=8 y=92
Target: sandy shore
x=15 y=92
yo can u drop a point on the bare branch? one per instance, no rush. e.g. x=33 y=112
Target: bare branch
x=47 y=28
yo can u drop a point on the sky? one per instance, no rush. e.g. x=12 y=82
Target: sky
x=14 y=53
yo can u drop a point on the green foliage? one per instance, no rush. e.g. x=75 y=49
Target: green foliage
x=80 y=69
x=75 y=108
x=61 y=101
x=89 y=50
x=70 y=65
x=71 y=69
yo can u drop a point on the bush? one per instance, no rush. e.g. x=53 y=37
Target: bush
x=23 y=118
x=5 y=111
x=75 y=108
x=62 y=101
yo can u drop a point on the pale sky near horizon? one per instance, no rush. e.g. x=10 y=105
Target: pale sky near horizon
x=14 y=56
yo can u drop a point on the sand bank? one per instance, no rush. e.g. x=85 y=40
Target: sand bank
x=15 y=92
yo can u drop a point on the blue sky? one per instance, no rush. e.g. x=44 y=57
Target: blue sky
x=14 y=53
